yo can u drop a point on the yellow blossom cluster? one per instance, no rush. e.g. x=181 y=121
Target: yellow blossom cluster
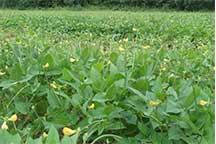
x=13 y=119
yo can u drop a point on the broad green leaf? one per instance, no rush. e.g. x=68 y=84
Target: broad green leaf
x=16 y=72
x=141 y=85
x=173 y=107
x=172 y=92
x=158 y=88
x=76 y=100
x=53 y=99
x=138 y=93
x=143 y=128
x=113 y=69
x=99 y=66
x=34 y=141
x=66 y=140
x=100 y=97
x=8 y=83
x=116 y=125
x=7 y=138
x=174 y=133
x=187 y=97
x=69 y=75
x=21 y=106
x=97 y=79
x=129 y=117
x=111 y=92
x=53 y=136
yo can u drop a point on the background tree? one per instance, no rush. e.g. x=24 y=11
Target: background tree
x=173 y=4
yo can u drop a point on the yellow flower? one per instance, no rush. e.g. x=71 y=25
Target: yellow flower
x=165 y=60
x=109 y=62
x=13 y=118
x=5 y=43
x=2 y=73
x=121 y=49
x=171 y=75
x=134 y=29
x=163 y=68
x=44 y=135
x=203 y=103
x=125 y=40
x=4 y=126
x=72 y=60
x=92 y=106
x=152 y=103
x=53 y=85
x=67 y=131
x=46 y=65
x=146 y=47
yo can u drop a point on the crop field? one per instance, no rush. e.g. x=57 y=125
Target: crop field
x=106 y=77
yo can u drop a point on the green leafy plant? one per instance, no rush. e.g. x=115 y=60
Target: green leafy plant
x=85 y=77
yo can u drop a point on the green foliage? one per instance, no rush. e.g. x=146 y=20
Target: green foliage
x=8 y=138
x=114 y=77
x=173 y=4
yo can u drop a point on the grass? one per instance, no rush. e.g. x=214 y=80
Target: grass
x=108 y=76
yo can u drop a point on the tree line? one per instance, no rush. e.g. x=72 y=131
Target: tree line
x=170 y=4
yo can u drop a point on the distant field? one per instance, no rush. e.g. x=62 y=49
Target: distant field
x=110 y=77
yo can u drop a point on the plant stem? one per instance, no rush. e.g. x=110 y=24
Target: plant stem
x=106 y=135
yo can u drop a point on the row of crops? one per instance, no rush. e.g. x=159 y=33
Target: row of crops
x=190 y=5
x=106 y=77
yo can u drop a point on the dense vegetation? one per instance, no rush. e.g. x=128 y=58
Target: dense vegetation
x=126 y=78
x=171 y=4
